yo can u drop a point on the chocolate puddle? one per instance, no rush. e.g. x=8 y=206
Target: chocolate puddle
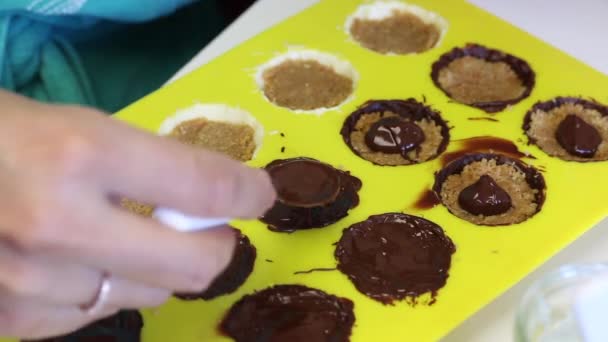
x=289 y=313
x=427 y=200
x=395 y=256
x=484 y=144
x=311 y=194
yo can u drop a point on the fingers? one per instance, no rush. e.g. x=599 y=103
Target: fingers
x=57 y=282
x=171 y=174
x=146 y=251
x=45 y=279
x=75 y=142
x=126 y=294
x=58 y=168
x=30 y=320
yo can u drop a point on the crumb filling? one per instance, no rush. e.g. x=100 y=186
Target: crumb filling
x=306 y=85
x=233 y=140
x=136 y=207
x=428 y=148
x=471 y=80
x=508 y=177
x=544 y=124
x=401 y=33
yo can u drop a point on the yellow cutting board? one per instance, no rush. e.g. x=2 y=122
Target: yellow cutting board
x=487 y=261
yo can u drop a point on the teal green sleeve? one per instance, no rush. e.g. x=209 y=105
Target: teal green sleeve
x=105 y=54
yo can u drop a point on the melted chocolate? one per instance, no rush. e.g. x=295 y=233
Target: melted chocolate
x=311 y=194
x=124 y=326
x=533 y=177
x=408 y=110
x=427 y=200
x=484 y=144
x=578 y=137
x=557 y=102
x=395 y=256
x=483 y=118
x=518 y=65
x=484 y=197
x=305 y=183
x=394 y=135
x=289 y=313
x=318 y=269
x=233 y=276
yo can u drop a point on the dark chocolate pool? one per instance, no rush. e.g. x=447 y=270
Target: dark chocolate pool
x=311 y=194
x=289 y=313
x=395 y=256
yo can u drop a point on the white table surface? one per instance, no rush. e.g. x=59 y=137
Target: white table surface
x=577 y=27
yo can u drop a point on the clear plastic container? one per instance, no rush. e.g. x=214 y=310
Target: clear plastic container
x=547 y=310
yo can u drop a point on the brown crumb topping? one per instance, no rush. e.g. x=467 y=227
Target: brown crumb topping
x=306 y=85
x=234 y=140
x=401 y=33
x=136 y=207
x=471 y=80
x=543 y=125
x=508 y=177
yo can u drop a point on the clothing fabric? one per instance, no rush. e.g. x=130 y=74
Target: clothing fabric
x=98 y=52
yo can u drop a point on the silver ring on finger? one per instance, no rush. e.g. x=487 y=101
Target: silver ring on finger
x=98 y=303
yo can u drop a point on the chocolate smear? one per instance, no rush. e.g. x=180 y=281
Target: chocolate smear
x=289 y=313
x=427 y=200
x=484 y=144
x=311 y=194
x=395 y=256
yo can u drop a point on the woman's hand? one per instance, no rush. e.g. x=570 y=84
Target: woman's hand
x=61 y=170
